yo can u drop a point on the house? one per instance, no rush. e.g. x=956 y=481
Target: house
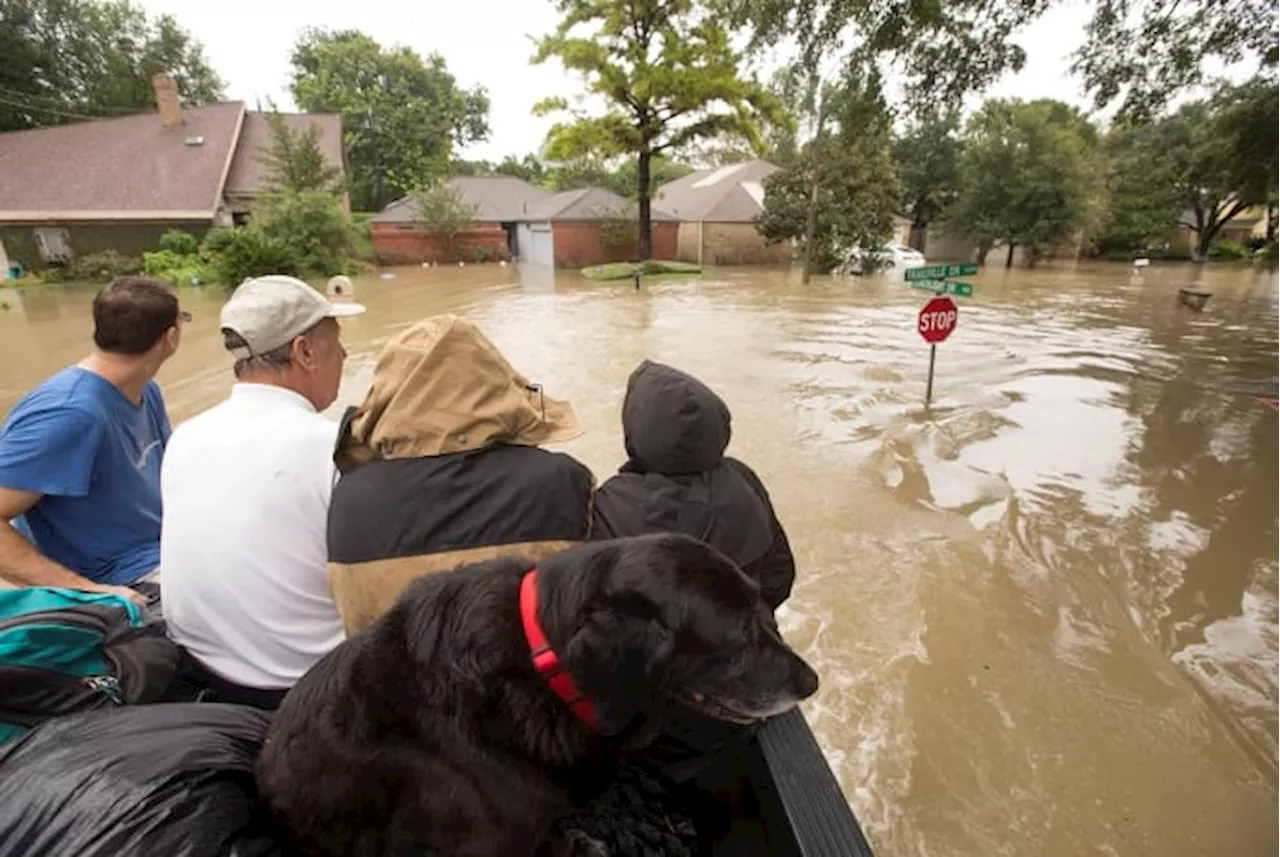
x=399 y=237
x=717 y=211
x=517 y=220
x=1242 y=228
x=590 y=226
x=120 y=183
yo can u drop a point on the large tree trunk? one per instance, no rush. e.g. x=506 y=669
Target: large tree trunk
x=919 y=235
x=984 y=250
x=645 y=239
x=1008 y=259
x=811 y=224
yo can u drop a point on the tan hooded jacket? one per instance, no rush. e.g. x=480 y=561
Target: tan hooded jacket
x=441 y=467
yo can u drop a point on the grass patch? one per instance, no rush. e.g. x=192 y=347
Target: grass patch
x=627 y=270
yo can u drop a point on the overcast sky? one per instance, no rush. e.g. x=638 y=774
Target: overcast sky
x=488 y=42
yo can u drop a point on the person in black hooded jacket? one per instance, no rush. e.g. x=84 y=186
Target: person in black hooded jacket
x=677 y=479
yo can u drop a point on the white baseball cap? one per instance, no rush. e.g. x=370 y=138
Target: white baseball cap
x=268 y=312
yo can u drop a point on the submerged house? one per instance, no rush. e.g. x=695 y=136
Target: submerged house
x=120 y=183
x=717 y=211
x=517 y=220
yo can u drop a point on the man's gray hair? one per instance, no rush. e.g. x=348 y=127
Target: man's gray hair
x=275 y=360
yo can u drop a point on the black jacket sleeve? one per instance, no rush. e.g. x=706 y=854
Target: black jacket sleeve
x=776 y=570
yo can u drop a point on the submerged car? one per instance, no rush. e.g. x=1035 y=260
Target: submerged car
x=889 y=256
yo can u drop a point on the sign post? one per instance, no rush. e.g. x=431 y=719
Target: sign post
x=936 y=321
x=938 y=317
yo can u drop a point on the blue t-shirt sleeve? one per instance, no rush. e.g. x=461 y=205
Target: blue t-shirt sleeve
x=50 y=450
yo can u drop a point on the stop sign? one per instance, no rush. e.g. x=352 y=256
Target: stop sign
x=937 y=320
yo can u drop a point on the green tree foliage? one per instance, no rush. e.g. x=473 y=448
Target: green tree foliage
x=1223 y=154
x=1143 y=52
x=294 y=161
x=402 y=114
x=1144 y=200
x=442 y=209
x=528 y=168
x=1137 y=52
x=858 y=188
x=668 y=76
x=944 y=49
x=927 y=155
x=68 y=60
x=1030 y=176
x=1250 y=120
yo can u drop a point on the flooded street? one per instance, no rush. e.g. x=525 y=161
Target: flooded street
x=1044 y=611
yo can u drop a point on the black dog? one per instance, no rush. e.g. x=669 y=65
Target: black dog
x=433 y=733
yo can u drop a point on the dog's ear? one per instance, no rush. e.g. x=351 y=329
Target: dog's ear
x=617 y=658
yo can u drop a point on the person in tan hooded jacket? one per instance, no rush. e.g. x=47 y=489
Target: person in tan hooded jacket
x=440 y=467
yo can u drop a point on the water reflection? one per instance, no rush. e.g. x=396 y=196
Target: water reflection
x=1044 y=609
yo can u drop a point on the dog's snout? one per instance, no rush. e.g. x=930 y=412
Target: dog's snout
x=804 y=681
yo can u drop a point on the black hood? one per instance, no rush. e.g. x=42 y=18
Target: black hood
x=672 y=422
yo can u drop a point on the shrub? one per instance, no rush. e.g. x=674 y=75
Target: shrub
x=102 y=267
x=177 y=241
x=1228 y=250
x=235 y=255
x=178 y=269
x=312 y=225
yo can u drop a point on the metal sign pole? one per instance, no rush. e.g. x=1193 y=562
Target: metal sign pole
x=928 y=390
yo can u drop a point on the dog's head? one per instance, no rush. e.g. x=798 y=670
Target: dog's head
x=645 y=622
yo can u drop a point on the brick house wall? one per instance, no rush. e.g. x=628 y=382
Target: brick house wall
x=740 y=244
x=578 y=244
x=729 y=244
x=411 y=244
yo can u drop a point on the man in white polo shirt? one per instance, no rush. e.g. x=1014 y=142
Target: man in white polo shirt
x=245 y=488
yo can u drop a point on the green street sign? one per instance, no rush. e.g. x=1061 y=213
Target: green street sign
x=945 y=287
x=938 y=272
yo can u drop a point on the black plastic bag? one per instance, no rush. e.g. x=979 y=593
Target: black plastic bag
x=173 y=780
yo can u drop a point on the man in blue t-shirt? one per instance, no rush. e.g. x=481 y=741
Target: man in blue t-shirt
x=80 y=454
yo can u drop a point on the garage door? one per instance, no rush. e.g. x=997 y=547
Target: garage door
x=540 y=249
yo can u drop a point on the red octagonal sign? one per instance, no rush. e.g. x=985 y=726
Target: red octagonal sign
x=937 y=320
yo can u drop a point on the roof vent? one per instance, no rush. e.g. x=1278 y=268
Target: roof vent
x=193 y=141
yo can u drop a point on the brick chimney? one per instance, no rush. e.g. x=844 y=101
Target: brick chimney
x=167 y=100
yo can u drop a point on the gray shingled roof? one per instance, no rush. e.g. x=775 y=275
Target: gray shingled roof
x=247 y=172
x=731 y=194
x=498 y=199
x=120 y=168
x=589 y=203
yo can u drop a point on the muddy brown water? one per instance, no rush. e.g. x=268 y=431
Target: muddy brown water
x=1044 y=611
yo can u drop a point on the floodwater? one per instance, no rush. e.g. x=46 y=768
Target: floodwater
x=1044 y=611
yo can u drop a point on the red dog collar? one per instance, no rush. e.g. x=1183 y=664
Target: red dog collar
x=545 y=659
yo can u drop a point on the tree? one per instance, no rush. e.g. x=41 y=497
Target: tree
x=928 y=160
x=1249 y=121
x=1143 y=52
x=1144 y=200
x=402 y=114
x=294 y=161
x=1029 y=176
x=1223 y=154
x=528 y=168
x=944 y=50
x=1138 y=52
x=668 y=76
x=442 y=209
x=70 y=60
x=852 y=172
